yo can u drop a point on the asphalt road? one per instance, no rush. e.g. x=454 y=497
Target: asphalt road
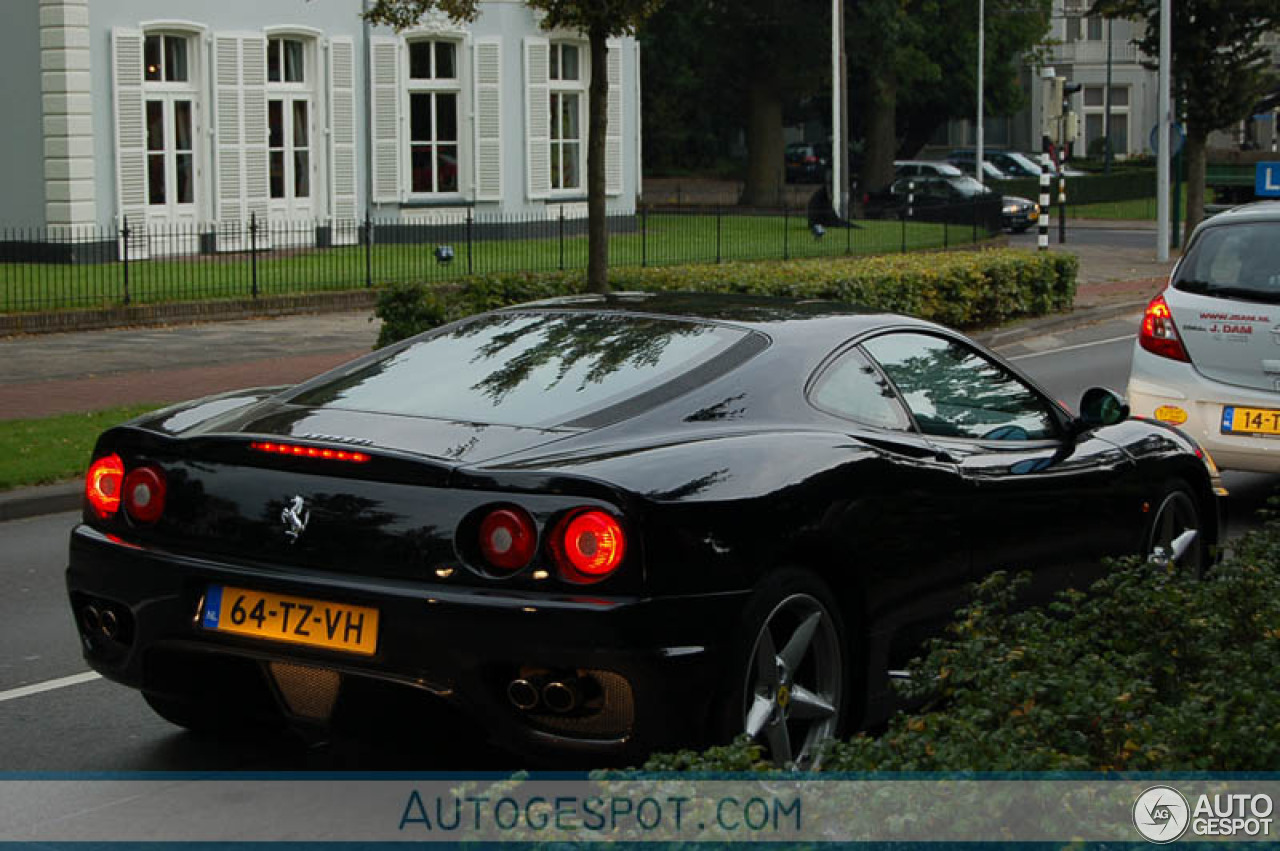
x=82 y=723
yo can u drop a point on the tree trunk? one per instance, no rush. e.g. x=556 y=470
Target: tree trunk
x=765 y=148
x=597 y=128
x=1195 y=152
x=882 y=134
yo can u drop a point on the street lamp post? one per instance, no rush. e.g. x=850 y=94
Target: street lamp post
x=1163 y=117
x=1106 y=114
x=982 y=30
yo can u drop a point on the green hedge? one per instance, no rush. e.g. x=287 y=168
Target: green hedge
x=1151 y=670
x=961 y=289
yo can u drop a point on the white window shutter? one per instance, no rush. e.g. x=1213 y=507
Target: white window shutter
x=537 y=116
x=613 y=135
x=343 y=203
x=488 y=82
x=384 y=57
x=257 y=188
x=131 y=135
x=229 y=207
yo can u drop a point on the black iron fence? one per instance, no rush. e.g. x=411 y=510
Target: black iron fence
x=94 y=267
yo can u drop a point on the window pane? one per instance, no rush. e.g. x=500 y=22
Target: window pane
x=185 y=188
x=293 y=61
x=1093 y=128
x=420 y=117
x=155 y=125
x=175 y=59
x=572 y=171
x=447 y=167
x=151 y=58
x=555 y=116
x=1119 y=95
x=275 y=123
x=155 y=178
x=446 y=66
x=526 y=369
x=420 y=60
x=1073 y=29
x=301 y=129
x=955 y=392
x=182 y=125
x=569 y=62
x=555 y=62
x=852 y=388
x=423 y=179
x=273 y=60
x=277 y=174
x=446 y=118
x=1093 y=95
x=301 y=174
x=1095 y=29
x=1119 y=133
x=556 y=153
x=569 y=117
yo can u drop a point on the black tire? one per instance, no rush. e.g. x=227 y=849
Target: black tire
x=1175 y=513
x=805 y=704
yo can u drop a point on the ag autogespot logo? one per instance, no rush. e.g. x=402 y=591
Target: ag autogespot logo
x=1161 y=814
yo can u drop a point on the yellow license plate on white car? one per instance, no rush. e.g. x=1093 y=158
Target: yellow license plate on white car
x=1264 y=421
x=295 y=620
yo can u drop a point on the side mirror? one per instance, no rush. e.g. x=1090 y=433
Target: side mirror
x=1102 y=407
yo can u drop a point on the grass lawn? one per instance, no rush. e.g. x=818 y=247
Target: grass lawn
x=666 y=238
x=51 y=449
x=1138 y=209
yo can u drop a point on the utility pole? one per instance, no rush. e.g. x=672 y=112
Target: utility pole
x=982 y=47
x=839 y=179
x=1164 y=116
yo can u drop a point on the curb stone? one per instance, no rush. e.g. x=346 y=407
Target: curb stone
x=43 y=499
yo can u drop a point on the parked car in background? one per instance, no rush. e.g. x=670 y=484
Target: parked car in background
x=925 y=168
x=807 y=163
x=955 y=198
x=603 y=525
x=1207 y=357
x=991 y=172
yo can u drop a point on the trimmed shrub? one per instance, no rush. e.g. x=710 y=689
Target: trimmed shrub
x=1151 y=670
x=960 y=289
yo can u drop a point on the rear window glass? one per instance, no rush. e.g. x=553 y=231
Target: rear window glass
x=1234 y=261
x=528 y=369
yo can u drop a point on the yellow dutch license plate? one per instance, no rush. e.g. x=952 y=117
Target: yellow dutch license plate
x=296 y=620
x=1250 y=421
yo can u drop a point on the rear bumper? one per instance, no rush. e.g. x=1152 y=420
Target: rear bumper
x=1157 y=382
x=461 y=644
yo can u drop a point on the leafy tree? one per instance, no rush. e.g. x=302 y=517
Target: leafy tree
x=917 y=63
x=1220 y=67
x=598 y=20
x=727 y=66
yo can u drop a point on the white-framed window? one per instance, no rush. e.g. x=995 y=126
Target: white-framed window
x=433 y=99
x=291 y=124
x=568 y=81
x=170 y=96
x=1095 y=109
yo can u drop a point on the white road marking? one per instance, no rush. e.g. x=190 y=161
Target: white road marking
x=1127 y=338
x=49 y=685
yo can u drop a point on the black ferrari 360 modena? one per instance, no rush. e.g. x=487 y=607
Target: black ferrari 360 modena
x=606 y=525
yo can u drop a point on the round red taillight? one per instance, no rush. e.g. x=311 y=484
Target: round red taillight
x=589 y=545
x=144 y=492
x=102 y=485
x=508 y=538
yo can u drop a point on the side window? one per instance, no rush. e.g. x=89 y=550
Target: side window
x=851 y=387
x=955 y=392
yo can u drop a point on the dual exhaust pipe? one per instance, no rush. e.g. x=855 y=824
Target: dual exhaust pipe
x=560 y=695
x=100 y=621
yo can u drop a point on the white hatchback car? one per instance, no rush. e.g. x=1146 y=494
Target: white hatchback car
x=1208 y=353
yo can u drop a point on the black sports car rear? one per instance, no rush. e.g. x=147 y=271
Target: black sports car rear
x=605 y=525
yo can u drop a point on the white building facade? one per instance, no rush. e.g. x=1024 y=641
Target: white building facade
x=185 y=114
